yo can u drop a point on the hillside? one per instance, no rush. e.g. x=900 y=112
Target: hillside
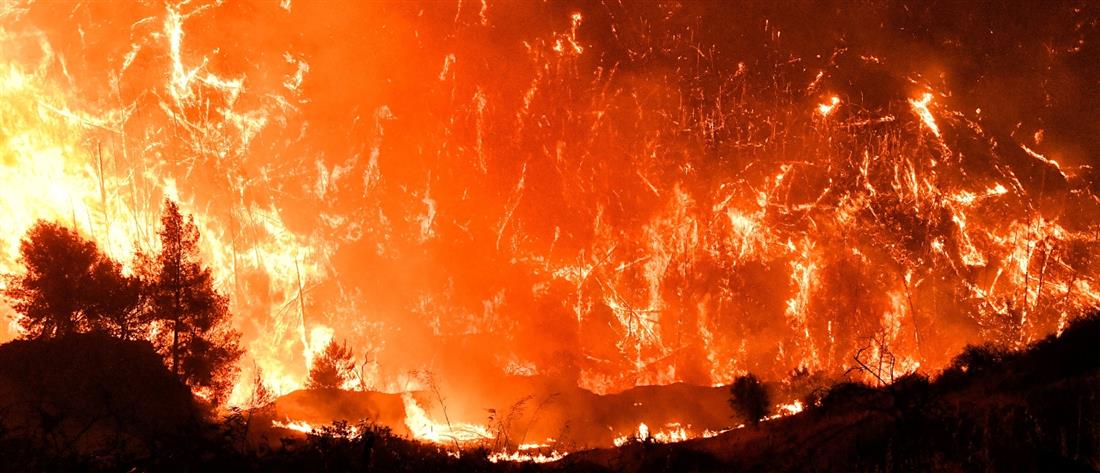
x=531 y=410
x=992 y=410
x=89 y=400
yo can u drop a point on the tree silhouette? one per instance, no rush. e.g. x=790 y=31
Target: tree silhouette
x=117 y=309
x=195 y=338
x=750 y=398
x=70 y=286
x=332 y=368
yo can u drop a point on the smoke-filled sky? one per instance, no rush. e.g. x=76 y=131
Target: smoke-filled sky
x=605 y=194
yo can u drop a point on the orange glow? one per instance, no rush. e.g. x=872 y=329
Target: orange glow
x=526 y=194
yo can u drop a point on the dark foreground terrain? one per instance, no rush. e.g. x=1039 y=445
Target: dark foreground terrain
x=992 y=410
x=91 y=402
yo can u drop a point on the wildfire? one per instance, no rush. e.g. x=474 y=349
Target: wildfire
x=447 y=433
x=672 y=432
x=567 y=44
x=790 y=408
x=534 y=453
x=296 y=425
x=615 y=197
x=675 y=432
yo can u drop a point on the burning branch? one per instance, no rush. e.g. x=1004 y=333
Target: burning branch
x=883 y=374
x=429 y=379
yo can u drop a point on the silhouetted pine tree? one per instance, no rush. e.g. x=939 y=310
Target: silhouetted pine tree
x=194 y=334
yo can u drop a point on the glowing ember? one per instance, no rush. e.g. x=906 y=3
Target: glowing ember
x=920 y=107
x=790 y=409
x=826 y=108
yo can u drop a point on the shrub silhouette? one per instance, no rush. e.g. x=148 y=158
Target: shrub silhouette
x=332 y=368
x=1072 y=352
x=978 y=358
x=750 y=398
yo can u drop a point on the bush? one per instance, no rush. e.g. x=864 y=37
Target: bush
x=332 y=368
x=911 y=392
x=750 y=398
x=850 y=395
x=1072 y=352
x=976 y=359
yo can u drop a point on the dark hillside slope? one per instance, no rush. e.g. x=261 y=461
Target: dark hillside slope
x=575 y=417
x=88 y=399
x=1033 y=410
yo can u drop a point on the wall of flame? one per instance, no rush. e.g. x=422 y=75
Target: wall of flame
x=603 y=194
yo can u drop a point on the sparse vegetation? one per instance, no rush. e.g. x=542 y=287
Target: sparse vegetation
x=1043 y=417
x=1031 y=410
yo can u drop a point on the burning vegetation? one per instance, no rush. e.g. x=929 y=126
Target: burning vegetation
x=485 y=232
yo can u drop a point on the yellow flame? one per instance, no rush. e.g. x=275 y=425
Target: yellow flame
x=296 y=425
x=425 y=428
x=826 y=108
x=920 y=107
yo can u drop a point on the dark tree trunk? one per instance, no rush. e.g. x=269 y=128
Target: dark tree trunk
x=176 y=347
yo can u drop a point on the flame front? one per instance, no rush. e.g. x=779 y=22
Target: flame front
x=446 y=433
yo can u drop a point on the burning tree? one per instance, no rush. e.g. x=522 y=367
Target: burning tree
x=750 y=398
x=332 y=368
x=70 y=286
x=194 y=317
